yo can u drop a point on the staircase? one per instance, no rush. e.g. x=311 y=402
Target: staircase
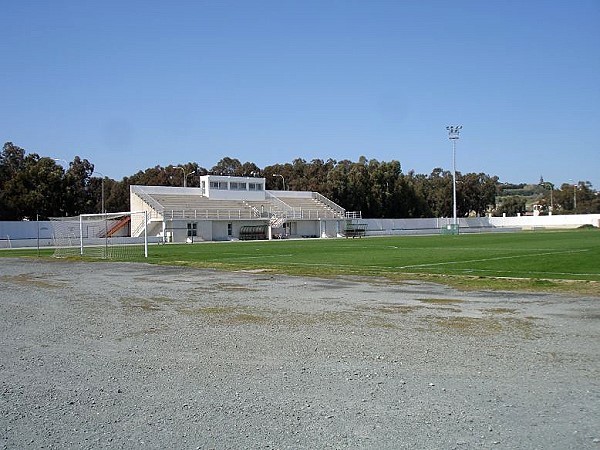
x=276 y=221
x=123 y=222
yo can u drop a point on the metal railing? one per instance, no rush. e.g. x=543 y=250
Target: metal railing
x=205 y=214
x=149 y=200
x=282 y=205
x=254 y=209
x=353 y=214
x=332 y=205
x=250 y=213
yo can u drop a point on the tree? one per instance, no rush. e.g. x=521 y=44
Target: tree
x=587 y=200
x=358 y=185
x=476 y=193
x=273 y=178
x=30 y=186
x=228 y=166
x=78 y=196
x=116 y=195
x=33 y=186
x=383 y=195
x=437 y=189
x=512 y=205
x=249 y=169
x=316 y=174
x=564 y=199
x=411 y=202
x=11 y=163
x=337 y=182
x=44 y=199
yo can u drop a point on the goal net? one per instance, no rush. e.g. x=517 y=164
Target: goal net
x=111 y=235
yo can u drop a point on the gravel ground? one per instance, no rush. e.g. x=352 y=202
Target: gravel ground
x=99 y=355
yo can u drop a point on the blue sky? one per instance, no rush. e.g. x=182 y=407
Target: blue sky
x=133 y=84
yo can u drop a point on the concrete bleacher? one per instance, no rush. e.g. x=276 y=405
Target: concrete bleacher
x=198 y=206
x=175 y=201
x=309 y=208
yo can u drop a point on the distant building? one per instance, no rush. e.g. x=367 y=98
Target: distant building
x=228 y=208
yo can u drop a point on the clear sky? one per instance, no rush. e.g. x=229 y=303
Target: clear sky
x=134 y=84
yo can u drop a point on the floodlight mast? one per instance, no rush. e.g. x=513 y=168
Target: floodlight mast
x=282 y=179
x=453 y=134
x=103 y=176
x=184 y=174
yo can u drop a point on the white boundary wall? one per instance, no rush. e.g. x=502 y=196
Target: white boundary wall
x=572 y=221
x=382 y=227
x=25 y=234
x=19 y=234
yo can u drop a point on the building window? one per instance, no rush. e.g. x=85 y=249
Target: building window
x=220 y=185
x=255 y=186
x=237 y=186
x=191 y=229
x=229 y=229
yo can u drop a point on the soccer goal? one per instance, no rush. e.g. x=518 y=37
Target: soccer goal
x=110 y=235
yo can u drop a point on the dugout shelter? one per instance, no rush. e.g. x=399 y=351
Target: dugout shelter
x=224 y=207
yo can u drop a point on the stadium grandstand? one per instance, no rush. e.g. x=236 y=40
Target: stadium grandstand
x=228 y=208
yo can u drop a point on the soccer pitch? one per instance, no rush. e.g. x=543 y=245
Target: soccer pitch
x=543 y=260
x=561 y=255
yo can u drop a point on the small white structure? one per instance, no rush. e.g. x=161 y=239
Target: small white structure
x=227 y=208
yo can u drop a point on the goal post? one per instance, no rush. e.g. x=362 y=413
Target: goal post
x=121 y=235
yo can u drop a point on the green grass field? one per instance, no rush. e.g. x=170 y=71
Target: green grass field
x=495 y=260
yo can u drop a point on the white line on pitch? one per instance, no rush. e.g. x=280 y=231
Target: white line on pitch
x=530 y=272
x=261 y=257
x=491 y=259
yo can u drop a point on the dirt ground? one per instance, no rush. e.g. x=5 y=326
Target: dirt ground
x=105 y=355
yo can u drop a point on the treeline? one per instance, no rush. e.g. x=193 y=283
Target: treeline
x=33 y=186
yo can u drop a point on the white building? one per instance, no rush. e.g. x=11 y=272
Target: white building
x=226 y=208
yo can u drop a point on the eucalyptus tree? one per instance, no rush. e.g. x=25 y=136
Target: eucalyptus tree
x=476 y=193
x=30 y=186
x=412 y=202
x=337 y=183
x=437 y=189
x=12 y=160
x=278 y=176
x=228 y=166
x=384 y=182
x=78 y=197
x=249 y=169
x=358 y=187
x=317 y=172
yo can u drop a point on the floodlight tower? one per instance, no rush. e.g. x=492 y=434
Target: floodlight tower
x=453 y=132
x=574 y=195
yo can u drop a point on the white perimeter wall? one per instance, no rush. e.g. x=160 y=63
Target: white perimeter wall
x=432 y=225
x=25 y=234
x=572 y=221
x=25 y=230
